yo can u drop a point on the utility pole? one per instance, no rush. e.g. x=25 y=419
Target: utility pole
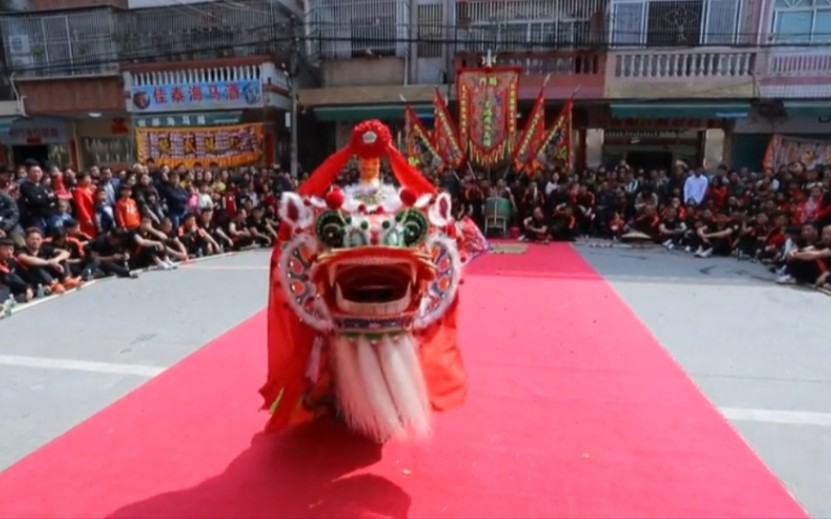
x=293 y=73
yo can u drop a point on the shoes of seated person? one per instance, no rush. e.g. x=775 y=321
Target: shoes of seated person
x=71 y=283
x=785 y=279
x=56 y=288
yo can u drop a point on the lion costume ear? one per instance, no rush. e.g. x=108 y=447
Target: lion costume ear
x=295 y=211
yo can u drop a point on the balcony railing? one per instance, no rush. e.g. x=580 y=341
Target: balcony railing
x=705 y=72
x=541 y=64
x=797 y=72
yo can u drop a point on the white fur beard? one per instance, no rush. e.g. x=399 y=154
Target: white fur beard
x=381 y=388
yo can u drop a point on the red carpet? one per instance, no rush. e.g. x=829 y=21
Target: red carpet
x=574 y=411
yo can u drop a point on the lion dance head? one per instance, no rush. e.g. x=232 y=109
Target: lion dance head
x=369 y=266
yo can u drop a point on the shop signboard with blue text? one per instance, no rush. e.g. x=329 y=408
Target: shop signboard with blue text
x=218 y=95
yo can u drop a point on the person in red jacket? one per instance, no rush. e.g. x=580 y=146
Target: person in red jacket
x=83 y=197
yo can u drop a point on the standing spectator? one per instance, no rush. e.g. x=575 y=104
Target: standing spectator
x=83 y=197
x=38 y=203
x=695 y=188
x=9 y=213
x=176 y=197
x=126 y=211
x=104 y=218
x=107 y=184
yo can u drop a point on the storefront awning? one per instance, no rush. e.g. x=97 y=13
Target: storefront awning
x=807 y=109
x=187 y=120
x=361 y=112
x=6 y=124
x=658 y=110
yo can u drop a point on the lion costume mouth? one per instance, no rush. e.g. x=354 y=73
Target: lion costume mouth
x=373 y=282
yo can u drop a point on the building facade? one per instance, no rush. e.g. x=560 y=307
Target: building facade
x=654 y=81
x=87 y=73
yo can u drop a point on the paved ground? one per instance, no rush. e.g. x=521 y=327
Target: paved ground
x=65 y=359
x=760 y=352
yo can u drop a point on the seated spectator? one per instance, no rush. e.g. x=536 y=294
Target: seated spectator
x=564 y=224
x=208 y=221
x=716 y=237
x=808 y=263
x=263 y=234
x=617 y=226
x=197 y=242
x=12 y=284
x=43 y=265
x=173 y=244
x=646 y=221
x=150 y=248
x=671 y=230
x=78 y=263
x=237 y=230
x=751 y=236
x=109 y=254
x=535 y=228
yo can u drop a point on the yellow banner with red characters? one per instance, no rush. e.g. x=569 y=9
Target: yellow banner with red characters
x=228 y=146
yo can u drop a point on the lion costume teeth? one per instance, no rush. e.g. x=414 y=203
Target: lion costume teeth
x=363 y=298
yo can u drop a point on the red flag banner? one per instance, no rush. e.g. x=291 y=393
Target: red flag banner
x=532 y=135
x=445 y=135
x=419 y=144
x=555 y=148
x=487 y=112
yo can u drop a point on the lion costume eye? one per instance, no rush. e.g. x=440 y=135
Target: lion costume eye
x=331 y=229
x=414 y=227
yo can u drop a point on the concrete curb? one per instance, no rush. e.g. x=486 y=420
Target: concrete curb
x=36 y=302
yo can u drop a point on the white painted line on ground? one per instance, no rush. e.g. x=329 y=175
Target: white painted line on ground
x=776 y=416
x=80 y=365
x=225 y=267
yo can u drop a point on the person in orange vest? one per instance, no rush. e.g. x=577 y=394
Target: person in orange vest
x=126 y=210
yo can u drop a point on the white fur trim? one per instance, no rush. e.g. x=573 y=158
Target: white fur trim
x=322 y=321
x=423 y=200
x=305 y=216
x=436 y=218
x=429 y=316
x=381 y=388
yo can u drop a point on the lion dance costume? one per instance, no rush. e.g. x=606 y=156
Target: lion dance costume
x=363 y=300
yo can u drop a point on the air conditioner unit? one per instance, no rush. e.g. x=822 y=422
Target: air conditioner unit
x=21 y=62
x=19 y=45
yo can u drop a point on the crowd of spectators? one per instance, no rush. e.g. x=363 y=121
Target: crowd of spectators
x=779 y=217
x=60 y=229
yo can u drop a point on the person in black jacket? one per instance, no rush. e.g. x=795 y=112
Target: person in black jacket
x=38 y=203
x=9 y=212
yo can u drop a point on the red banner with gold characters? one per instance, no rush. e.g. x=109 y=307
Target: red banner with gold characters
x=420 y=148
x=487 y=112
x=555 y=149
x=532 y=135
x=445 y=135
x=228 y=146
